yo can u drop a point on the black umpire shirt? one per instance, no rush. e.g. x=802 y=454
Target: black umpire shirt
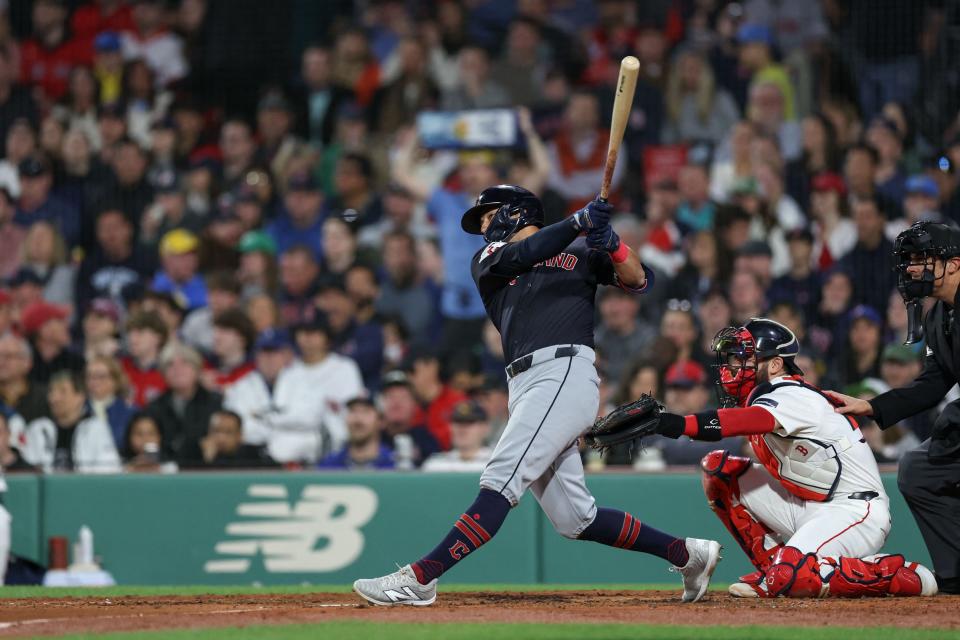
x=548 y=303
x=940 y=372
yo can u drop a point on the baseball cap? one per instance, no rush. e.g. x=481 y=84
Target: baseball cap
x=685 y=375
x=302 y=182
x=178 y=242
x=107 y=42
x=40 y=313
x=105 y=307
x=272 y=340
x=922 y=184
x=899 y=353
x=317 y=323
x=395 y=378
x=364 y=400
x=468 y=411
x=257 y=241
x=888 y=125
x=863 y=311
x=33 y=167
x=750 y=33
x=828 y=181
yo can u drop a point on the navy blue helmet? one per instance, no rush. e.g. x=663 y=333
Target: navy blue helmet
x=509 y=201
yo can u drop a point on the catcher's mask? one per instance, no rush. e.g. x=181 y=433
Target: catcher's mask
x=740 y=350
x=515 y=207
x=922 y=245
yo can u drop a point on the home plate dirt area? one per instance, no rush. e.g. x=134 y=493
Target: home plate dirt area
x=59 y=616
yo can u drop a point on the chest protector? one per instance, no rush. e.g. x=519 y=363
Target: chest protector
x=809 y=469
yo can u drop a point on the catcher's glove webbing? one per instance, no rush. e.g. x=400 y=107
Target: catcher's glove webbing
x=625 y=423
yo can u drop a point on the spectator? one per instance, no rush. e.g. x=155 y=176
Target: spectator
x=756 y=57
x=107 y=387
x=16 y=101
x=746 y=297
x=279 y=408
x=355 y=200
x=397 y=102
x=114 y=263
x=899 y=366
x=263 y=312
x=47 y=57
x=644 y=376
x=360 y=339
x=679 y=326
x=474 y=89
x=411 y=439
x=835 y=234
x=46 y=326
x=884 y=136
x=101 y=327
x=662 y=249
x=167 y=307
x=860 y=172
x=801 y=285
x=695 y=211
x=724 y=172
x=184 y=409
x=365 y=448
x=178 y=271
x=861 y=357
x=168 y=211
x=332 y=376
x=11 y=234
x=126 y=186
x=223 y=446
x=258 y=270
x=17 y=391
x=146 y=337
x=830 y=323
x=339 y=246
x=38 y=204
x=821 y=154
x=687 y=393
x=400 y=215
x=233 y=338
x=870 y=263
x=143 y=448
x=301 y=222
x=107 y=64
x=521 y=64
x=756 y=257
x=44 y=253
x=436 y=398
x=922 y=203
x=321 y=95
x=697 y=110
x=577 y=153
x=713 y=314
x=702 y=270
x=460 y=305
x=149 y=40
x=223 y=293
x=492 y=396
x=298 y=284
x=621 y=334
x=470 y=429
x=71 y=438
x=278 y=144
x=404 y=293
x=237 y=149
x=11 y=460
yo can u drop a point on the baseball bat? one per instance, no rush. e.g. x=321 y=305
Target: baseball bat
x=626 y=84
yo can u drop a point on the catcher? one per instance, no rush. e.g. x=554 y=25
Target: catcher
x=813 y=514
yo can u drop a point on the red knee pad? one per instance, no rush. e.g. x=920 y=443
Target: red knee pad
x=720 y=473
x=795 y=574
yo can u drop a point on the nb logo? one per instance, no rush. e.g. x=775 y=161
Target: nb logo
x=404 y=594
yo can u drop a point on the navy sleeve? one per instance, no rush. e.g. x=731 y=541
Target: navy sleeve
x=500 y=262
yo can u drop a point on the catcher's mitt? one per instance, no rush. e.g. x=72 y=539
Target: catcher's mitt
x=625 y=423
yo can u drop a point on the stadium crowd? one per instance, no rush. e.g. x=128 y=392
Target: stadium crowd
x=224 y=244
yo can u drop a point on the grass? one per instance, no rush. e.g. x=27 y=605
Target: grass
x=363 y=630
x=199 y=590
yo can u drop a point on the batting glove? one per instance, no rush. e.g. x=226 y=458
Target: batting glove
x=603 y=239
x=593 y=216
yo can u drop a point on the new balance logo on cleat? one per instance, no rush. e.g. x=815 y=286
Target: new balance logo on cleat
x=396 y=596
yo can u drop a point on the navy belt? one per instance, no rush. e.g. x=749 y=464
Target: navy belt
x=864 y=495
x=523 y=363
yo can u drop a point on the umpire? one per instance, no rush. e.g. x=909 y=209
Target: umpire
x=928 y=264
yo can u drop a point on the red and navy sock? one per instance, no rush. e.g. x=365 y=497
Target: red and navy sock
x=475 y=527
x=615 y=528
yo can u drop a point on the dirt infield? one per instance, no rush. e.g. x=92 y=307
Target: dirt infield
x=52 y=617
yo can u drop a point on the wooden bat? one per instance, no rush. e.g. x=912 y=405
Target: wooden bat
x=626 y=84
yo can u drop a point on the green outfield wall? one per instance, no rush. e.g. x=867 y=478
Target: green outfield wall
x=276 y=528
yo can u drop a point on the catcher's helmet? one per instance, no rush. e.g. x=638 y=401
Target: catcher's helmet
x=735 y=348
x=509 y=200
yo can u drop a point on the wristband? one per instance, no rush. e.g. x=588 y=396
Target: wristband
x=621 y=254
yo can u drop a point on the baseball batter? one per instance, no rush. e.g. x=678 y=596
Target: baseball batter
x=812 y=514
x=538 y=285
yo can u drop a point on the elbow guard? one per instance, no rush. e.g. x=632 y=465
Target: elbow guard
x=727 y=423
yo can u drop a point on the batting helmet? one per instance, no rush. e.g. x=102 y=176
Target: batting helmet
x=509 y=201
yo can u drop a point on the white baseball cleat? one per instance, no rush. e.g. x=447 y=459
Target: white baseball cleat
x=399 y=587
x=704 y=556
